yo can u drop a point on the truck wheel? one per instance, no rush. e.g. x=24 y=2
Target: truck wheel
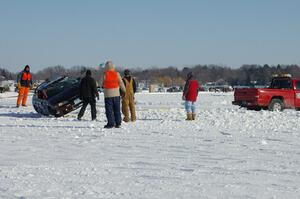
x=276 y=105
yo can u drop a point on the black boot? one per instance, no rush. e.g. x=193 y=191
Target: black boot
x=108 y=126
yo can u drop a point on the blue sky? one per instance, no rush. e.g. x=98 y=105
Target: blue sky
x=141 y=33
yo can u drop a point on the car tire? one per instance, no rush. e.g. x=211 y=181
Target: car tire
x=276 y=105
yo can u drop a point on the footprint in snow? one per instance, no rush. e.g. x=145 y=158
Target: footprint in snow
x=223 y=133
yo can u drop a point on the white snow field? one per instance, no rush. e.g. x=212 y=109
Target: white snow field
x=227 y=153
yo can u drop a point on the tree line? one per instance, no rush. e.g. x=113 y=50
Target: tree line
x=172 y=76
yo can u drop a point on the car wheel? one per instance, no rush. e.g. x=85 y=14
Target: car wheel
x=276 y=105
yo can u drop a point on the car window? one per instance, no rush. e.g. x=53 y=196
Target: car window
x=281 y=84
x=61 y=85
x=298 y=85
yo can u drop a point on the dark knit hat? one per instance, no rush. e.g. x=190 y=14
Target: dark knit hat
x=27 y=66
x=189 y=75
x=88 y=73
x=126 y=72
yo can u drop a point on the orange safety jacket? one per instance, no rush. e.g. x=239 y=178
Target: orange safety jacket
x=111 y=80
x=25 y=79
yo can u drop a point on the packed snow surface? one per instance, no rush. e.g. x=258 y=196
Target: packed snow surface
x=227 y=152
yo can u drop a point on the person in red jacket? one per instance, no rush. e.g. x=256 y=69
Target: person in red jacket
x=190 y=94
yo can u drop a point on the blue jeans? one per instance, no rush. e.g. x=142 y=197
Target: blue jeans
x=190 y=107
x=113 y=111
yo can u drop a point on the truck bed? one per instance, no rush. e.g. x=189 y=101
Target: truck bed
x=261 y=97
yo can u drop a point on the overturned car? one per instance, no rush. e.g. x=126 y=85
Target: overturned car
x=57 y=97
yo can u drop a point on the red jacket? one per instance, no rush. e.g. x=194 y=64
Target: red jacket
x=191 y=90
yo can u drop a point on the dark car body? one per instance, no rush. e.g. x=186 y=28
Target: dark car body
x=174 y=89
x=57 y=97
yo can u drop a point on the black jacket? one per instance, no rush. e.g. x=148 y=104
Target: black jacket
x=88 y=88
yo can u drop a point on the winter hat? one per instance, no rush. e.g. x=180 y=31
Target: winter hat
x=26 y=67
x=88 y=73
x=127 y=72
x=109 y=66
x=189 y=75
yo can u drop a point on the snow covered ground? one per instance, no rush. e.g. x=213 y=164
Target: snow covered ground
x=227 y=153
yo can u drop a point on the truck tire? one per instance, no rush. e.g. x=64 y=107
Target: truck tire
x=276 y=105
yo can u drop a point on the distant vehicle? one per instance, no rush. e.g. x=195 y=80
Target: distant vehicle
x=284 y=92
x=174 y=89
x=2 y=89
x=4 y=86
x=220 y=88
x=57 y=97
x=201 y=89
x=100 y=89
x=160 y=90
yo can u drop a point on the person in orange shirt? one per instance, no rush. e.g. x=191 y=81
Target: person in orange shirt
x=24 y=82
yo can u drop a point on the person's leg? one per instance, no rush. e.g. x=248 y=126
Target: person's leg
x=82 y=110
x=25 y=95
x=93 y=108
x=188 y=106
x=109 y=112
x=132 y=109
x=193 y=110
x=125 y=111
x=188 y=109
x=117 y=111
x=20 y=96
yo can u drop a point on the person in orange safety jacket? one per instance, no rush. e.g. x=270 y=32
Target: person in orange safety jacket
x=24 y=83
x=112 y=84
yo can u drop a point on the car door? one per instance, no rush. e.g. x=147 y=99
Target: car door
x=297 y=94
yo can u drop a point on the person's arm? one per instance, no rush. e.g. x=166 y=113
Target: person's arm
x=103 y=80
x=198 y=86
x=121 y=83
x=31 y=80
x=19 y=80
x=134 y=85
x=80 y=89
x=94 y=89
x=185 y=90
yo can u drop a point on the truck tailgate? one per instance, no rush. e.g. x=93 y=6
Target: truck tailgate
x=245 y=94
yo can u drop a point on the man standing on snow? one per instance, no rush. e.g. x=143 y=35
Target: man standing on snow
x=88 y=94
x=128 y=97
x=112 y=83
x=190 y=94
x=24 y=83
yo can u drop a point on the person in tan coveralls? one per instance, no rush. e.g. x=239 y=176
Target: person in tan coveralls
x=128 y=97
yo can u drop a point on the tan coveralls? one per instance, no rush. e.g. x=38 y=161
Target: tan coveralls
x=128 y=101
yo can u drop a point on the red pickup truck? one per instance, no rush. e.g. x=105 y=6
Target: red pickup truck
x=284 y=92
